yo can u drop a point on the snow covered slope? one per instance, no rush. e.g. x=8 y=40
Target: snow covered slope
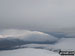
x=28 y=52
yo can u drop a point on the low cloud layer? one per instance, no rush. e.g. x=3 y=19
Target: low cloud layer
x=11 y=38
x=16 y=38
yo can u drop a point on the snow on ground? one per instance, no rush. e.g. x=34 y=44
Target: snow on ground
x=66 y=44
x=28 y=52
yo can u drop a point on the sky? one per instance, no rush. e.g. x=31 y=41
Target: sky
x=40 y=15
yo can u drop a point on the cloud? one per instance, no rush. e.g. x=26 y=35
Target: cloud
x=16 y=38
x=70 y=35
x=13 y=37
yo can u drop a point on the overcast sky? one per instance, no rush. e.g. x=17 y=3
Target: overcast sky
x=43 y=15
